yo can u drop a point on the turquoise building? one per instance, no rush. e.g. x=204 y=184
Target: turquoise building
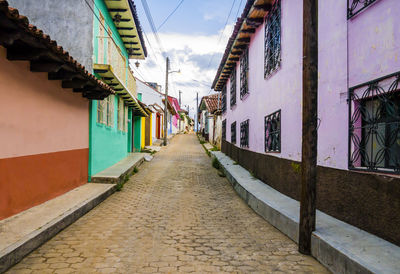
x=115 y=121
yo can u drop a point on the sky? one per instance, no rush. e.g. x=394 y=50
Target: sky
x=194 y=38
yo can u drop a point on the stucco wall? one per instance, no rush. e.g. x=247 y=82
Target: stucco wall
x=350 y=52
x=282 y=90
x=44 y=135
x=37 y=115
x=70 y=23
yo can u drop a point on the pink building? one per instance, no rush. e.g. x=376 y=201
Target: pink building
x=44 y=116
x=260 y=77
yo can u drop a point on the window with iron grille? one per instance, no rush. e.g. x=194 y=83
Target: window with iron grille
x=126 y=112
x=224 y=129
x=356 y=6
x=272 y=43
x=233 y=88
x=223 y=99
x=233 y=133
x=272 y=127
x=244 y=73
x=374 y=125
x=120 y=117
x=244 y=133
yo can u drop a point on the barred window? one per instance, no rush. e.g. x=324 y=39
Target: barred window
x=223 y=107
x=272 y=128
x=224 y=129
x=244 y=73
x=244 y=133
x=374 y=125
x=233 y=87
x=356 y=6
x=233 y=133
x=272 y=43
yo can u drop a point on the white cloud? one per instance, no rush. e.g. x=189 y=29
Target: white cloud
x=189 y=53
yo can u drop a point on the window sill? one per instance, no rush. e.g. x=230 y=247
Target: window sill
x=377 y=173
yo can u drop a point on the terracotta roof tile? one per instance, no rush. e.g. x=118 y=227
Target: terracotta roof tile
x=211 y=102
x=22 y=24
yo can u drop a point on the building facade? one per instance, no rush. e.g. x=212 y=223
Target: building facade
x=44 y=119
x=210 y=118
x=260 y=80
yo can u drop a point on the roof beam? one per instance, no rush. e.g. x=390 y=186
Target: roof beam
x=45 y=66
x=117 y=10
x=124 y=28
x=127 y=36
x=63 y=75
x=244 y=40
x=263 y=7
x=74 y=83
x=250 y=30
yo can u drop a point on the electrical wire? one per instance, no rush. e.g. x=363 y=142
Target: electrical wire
x=166 y=19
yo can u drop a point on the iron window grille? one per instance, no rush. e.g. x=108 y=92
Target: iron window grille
x=374 y=125
x=272 y=43
x=354 y=7
x=244 y=73
x=233 y=133
x=223 y=99
x=233 y=87
x=224 y=130
x=272 y=126
x=244 y=133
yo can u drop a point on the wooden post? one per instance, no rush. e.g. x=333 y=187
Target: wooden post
x=310 y=114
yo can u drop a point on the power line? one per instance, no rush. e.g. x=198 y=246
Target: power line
x=152 y=26
x=166 y=19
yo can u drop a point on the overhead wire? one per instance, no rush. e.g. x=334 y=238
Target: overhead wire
x=166 y=19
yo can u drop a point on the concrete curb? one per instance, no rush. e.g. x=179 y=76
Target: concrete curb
x=116 y=180
x=340 y=247
x=16 y=252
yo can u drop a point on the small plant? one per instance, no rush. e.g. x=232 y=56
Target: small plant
x=202 y=142
x=235 y=163
x=215 y=163
x=119 y=186
x=296 y=167
x=252 y=174
x=135 y=169
x=214 y=149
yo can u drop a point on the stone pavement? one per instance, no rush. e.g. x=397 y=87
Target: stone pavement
x=176 y=214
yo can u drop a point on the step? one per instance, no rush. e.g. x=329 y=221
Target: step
x=341 y=247
x=117 y=172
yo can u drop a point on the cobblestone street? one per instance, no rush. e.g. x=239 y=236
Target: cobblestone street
x=175 y=214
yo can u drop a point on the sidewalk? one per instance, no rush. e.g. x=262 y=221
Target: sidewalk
x=24 y=232
x=341 y=247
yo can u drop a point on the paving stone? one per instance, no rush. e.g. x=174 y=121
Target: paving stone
x=175 y=215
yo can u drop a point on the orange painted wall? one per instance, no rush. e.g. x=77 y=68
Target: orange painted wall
x=31 y=180
x=44 y=137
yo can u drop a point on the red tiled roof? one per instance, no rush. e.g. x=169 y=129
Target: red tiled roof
x=16 y=27
x=211 y=102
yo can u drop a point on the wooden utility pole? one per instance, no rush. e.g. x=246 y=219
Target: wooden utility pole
x=166 y=103
x=197 y=113
x=310 y=117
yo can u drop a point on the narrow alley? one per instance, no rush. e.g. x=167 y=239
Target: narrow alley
x=175 y=214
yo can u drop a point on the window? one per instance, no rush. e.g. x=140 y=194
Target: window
x=272 y=43
x=120 y=114
x=126 y=116
x=244 y=73
x=224 y=129
x=356 y=6
x=233 y=87
x=109 y=110
x=223 y=99
x=233 y=133
x=273 y=132
x=374 y=125
x=100 y=111
x=244 y=134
